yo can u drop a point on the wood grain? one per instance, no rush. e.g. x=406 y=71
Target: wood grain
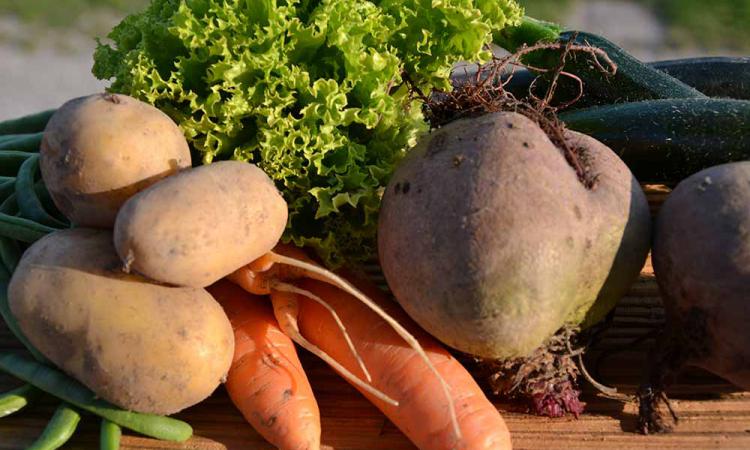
x=713 y=414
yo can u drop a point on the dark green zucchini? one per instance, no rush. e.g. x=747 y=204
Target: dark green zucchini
x=668 y=140
x=716 y=76
x=633 y=81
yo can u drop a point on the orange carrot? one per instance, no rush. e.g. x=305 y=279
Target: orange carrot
x=259 y=276
x=282 y=270
x=397 y=370
x=266 y=381
x=273 y=272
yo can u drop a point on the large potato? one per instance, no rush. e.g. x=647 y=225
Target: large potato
x=99 y=150
x=488 y=239
x=202 y=224
x=143 y=346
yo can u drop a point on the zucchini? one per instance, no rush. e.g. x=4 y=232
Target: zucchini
x=717 y=76
x=668 y=140
x=633 y=81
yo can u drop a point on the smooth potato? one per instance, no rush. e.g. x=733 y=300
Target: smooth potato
x=142 y=346
x=202 y=224
x=99 y=150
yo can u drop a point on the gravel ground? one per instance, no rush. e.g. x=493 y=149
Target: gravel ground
x=599 y=17
x=51 y=73
x=42 y=70
x=43 y=79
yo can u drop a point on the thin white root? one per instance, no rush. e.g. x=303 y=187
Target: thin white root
x=288 y=324
x=129 y=258
x=285 y=287
x=326 y=276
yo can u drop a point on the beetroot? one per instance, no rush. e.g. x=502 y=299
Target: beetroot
x=493 y=242
x=701 y=259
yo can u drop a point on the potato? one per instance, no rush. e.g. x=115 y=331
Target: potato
x=98 y=151
x=202 y=224
x=140 y=345
x=488 y=239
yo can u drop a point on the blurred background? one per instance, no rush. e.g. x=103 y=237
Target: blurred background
x=46 y=46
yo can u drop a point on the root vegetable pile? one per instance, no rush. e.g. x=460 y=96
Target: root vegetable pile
x=132 y=320
x=328 y=133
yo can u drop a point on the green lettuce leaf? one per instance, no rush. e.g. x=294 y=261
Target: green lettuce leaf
x=313 y=92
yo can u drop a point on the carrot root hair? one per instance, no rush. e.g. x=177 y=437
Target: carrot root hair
x=286 y=287
x=286 y=314
x=318 y=273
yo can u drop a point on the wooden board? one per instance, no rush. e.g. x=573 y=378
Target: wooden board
x=713 y=415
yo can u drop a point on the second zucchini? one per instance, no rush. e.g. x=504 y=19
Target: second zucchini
x=668 y=140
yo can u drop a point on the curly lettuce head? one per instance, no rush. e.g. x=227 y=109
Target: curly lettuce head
x=313 y=92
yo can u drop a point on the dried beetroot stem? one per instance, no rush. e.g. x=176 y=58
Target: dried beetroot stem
x=651 y=418
x=484 y=94
x=545 y=381
x=664 y=363
x=684 y=340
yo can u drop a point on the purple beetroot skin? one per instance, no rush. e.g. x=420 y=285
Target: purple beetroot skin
x=701 y=257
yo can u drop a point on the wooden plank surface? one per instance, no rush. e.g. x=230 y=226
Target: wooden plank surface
x=713 y=414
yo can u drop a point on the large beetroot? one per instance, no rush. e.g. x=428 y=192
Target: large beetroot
x=702 y=263
x=492 y=241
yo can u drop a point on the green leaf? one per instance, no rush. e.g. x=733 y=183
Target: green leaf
x=311 y=91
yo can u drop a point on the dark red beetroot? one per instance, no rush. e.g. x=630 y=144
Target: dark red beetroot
x=503 y=233
x=499 y=230
x=701 y=258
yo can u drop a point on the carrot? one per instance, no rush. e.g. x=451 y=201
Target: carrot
x=272 y=273
x=396 y=369
x=266 y=381
x=282 y=270
x=259 y=276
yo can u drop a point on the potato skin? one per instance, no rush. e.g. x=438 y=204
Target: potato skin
x=202 y=224
x=98 y=151
x=490 y=242
x=142 y=346
x=702 y=264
